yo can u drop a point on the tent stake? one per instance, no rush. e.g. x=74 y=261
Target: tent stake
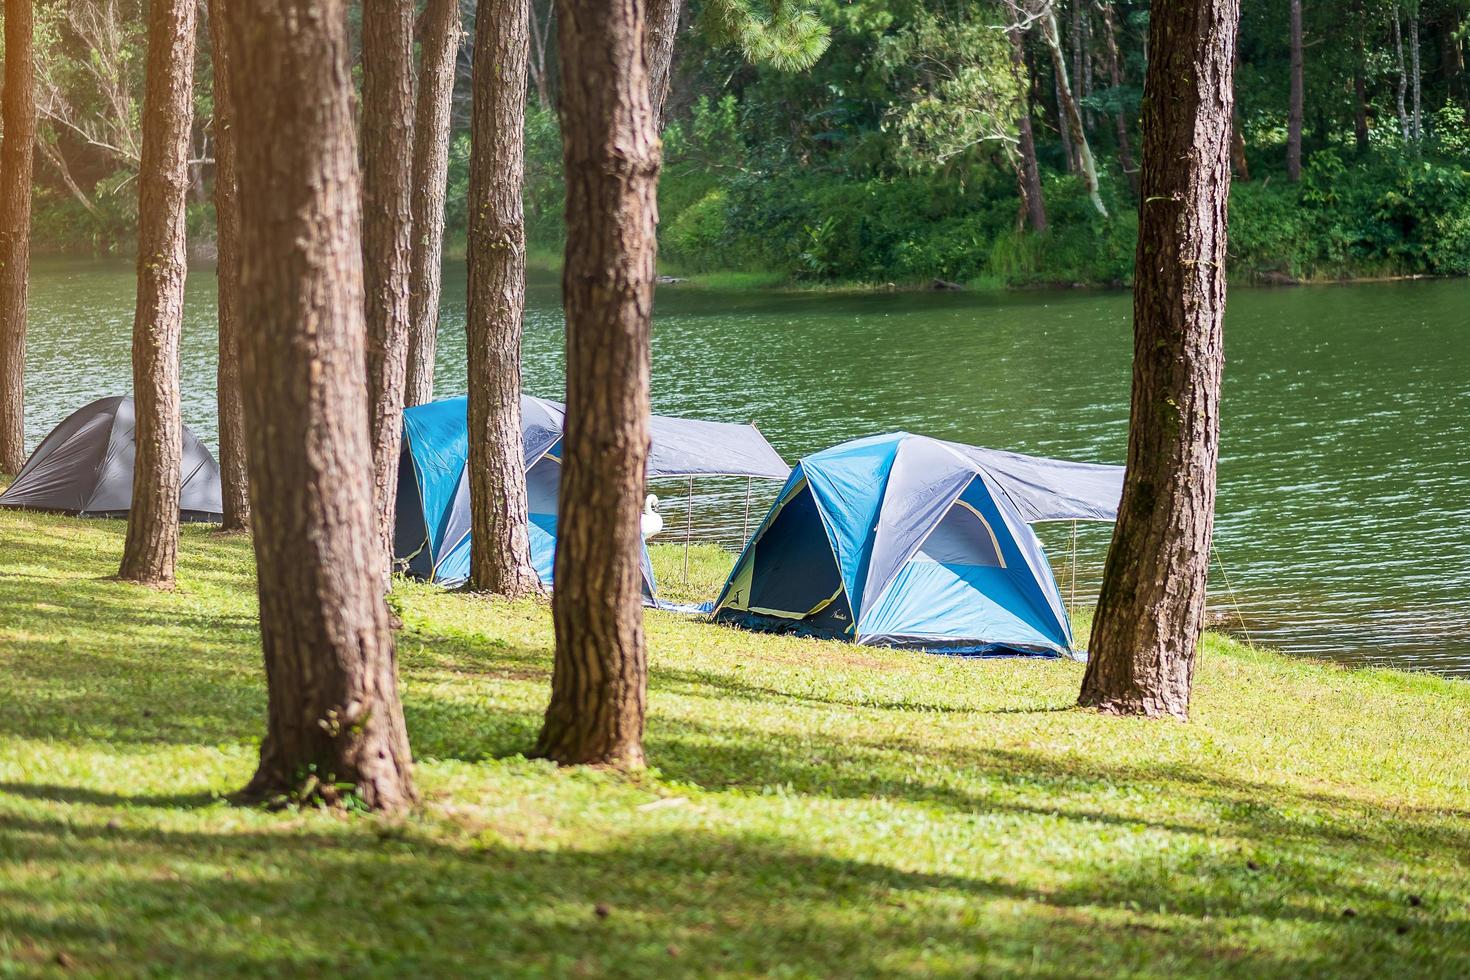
x=688 y=528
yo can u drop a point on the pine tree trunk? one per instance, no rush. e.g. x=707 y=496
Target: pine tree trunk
x=1360 y=81
x=334 y=722
x=658 y=51
x=1116 y=79
x=151 y=548
x=1294 y=113
x=500 y=547
x=1403 y=73
x=431 y=135
x=387 y=236
x=18 y=120
x=1071 y=118
x=1417 y=119
x=234 y=486
x=1151 y=612
x=611 y=149
x=1028 y=171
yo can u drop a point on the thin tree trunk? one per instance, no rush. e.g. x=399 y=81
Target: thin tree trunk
x=1294 y=113
x=500 y=547
x=1071 y=118
x=1028 y=171
x=234 y=484
x=18 y=118
x=1151 y=612
x=540 y=76
x=1360 y=81
x=334 y=721
x=1116 y=79
x=1417 y=119
x=431 y=135
x=151 y=548
x=658 y=51
x=610 y=139
x=1405 y=127
x=387 y=236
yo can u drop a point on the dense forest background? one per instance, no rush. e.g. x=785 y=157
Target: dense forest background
x=887 y=140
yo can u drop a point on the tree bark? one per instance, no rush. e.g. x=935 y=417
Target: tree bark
x=1028 y=170
x=1402 y=92
x=1116 y=79
x=234 y=484
x=1151 y=612
x=1416 y=120
x=1294 y=112
x=1071 y=118
x=18 y=118
x=500 y=547
x=334 y=723
x=151 y=548
x=611 y=150
x=658 y=51
x=431 y=135
x=387 y=236
x=1360 y=81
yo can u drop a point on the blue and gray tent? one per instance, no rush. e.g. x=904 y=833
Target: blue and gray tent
x=432 y=530
x=905 y=541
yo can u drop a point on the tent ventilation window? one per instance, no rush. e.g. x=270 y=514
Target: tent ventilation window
x=963 y=537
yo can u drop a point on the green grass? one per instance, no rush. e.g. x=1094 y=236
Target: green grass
x=813 y=809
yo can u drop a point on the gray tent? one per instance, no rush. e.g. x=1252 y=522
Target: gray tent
x=85 y=467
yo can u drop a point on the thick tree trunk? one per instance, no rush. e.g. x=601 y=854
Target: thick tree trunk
x=1405 y=128
x=1360 y=81
x=500 y=547
x=1028 y=170
x=234 y=484
x=431 y=135
x=1116 y=79
x=1151 y=612
x=1071 y=118
x=335 y=723
x=611 y=149
x=18 y=119
x=1294 y=112
x=151 y=548
x=387 y=236
x=658 y=51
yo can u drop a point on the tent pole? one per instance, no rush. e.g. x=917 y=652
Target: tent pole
x=1073 y=607
x=688 y=528
x=745 y=524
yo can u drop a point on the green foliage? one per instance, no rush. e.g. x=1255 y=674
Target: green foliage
x=784 y=34
x=814 y=808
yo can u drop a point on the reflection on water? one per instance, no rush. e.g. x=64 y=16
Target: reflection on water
x=1344 y=519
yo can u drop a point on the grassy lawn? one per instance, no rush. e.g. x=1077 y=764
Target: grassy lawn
x=815 y=809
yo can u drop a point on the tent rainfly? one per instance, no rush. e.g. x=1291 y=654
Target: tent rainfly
x=905 y=541
x=432 y=527
x=85 y=467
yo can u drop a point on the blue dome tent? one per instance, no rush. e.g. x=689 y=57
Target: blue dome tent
x=905 y=541
x=432 y=526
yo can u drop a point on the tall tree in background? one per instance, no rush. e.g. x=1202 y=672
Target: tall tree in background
x=1071 y=115
x=1028 y=169
x=1151 y=612
x=18 y=119
x=1298 y=97
x=1401 y=93
x=500 y=545
x=431 y=137
x=387 y=178
x=1360 y=79
x=151 y=548
x=335 y=724
x=1416 y=119
x=234 y=485
x=658 y=51
x=1115 y=78
x=611 y=151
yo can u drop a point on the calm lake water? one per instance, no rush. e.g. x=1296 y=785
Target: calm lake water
x=1344 y=510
